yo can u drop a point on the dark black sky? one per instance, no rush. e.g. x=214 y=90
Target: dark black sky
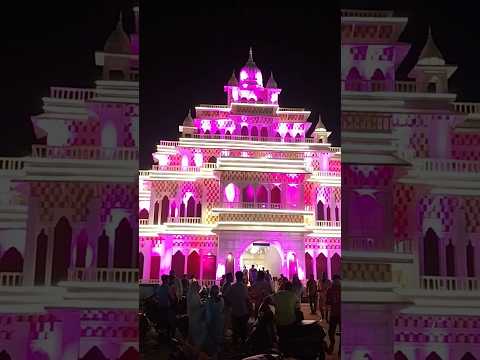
x=187 y=58
x=188 y=55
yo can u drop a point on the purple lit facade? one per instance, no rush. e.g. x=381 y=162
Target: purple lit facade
x=410 y=188
x=68 y=221
x=243 y=185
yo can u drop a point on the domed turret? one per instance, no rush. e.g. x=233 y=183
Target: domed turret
x=430 y=54
x=233 y=80
x=250 y=74
x=271 y=83
x=188 y=121
x=118 y=41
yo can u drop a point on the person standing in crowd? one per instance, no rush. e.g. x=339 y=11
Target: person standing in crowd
x=197 y=329
x=297 y=287
x=164 y=303
x=322 y=297
x=215 y=321
x=245 y=274
x=252 y=275
x=227 y=306
x=260 y=290
x=334 y=301
x=237 y=297
x=178 y=285
x=312 y=294
x=286 y=306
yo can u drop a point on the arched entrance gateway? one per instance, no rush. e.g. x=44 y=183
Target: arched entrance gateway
x=262 y=254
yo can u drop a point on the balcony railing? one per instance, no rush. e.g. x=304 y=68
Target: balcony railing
x=405 y=86
x=448 y=165
x=11 y=164
x=143 y=221
x=84 y=152
x=363 y=243
x=447 y=283
x=167 y=143
x=261 y=205
x=11 y=278
x=467 y=107
x=185 y=220
x=255 y=138
x=72 y=93
x=326 y=173
x=181 y=168
x=328 y=223
x=115 y=275
x=366 y=13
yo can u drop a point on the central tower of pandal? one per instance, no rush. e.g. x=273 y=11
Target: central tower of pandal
x=411 y=224
x=244 y=185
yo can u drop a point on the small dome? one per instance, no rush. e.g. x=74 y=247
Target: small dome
x=271 y=83
x=233 y=80
x=250 y=74
x=118 y=41
x=188 y=121
x=430 y=54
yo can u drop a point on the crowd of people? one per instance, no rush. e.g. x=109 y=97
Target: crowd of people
x=228 y=310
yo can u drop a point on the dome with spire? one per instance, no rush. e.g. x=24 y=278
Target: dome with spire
x=430 y=54
x=320 y=126
x=118 y=41
x=233 y=80
x=271 y=83
x=250 y=74
x=188 y=121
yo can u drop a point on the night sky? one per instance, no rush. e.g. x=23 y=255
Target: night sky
x=187 y=56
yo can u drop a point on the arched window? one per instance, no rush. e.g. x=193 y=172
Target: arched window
x=156 y=209
x=122 y=251
x=254 y=131
x=207 y=132
x=322 y=272
x=468 y=356
x=470 y=260
x=178 y=263
x=94 y=354
x=288 y=137
x=277 y=135
x=336 y=265
x=264 y=132
x=433 y=356
x=165 y=209
x=432 y=87
x=244 y=131
x=230 y=264
x=329 y=216
x=62 y=245
x=193 y=265
x=450 y=258
x=308 y=265
x=262 y=195
x=109 y=136
x=130 y=354
x=11 y=261
x=275 y=195
x=102 y=250
x=431 y=254
x=337 y=214
x=248 y=194
x=354 y=80
x=320 y=210
x=191 y=207
x=141 y=260
x=378 y=81
x=41 y=258
x=155 y=266
x=143 y=214
x=209 y=267
x=81 y=255
x=228 y=134
x=400 y=356
x=173 y=207
x=182 y=209
x=212 y=160
x=198 y=212
x=298 y=137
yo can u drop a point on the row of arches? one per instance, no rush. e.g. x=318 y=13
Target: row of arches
x=11 y=261
x=62 y=251
x=261 y=194
x=254 y=132
x=432 y=256
x=321 y=265
x=169 y=209
x=354 y=80
x=325 y=213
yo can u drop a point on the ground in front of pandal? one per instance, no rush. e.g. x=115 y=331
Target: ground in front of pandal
x=155 y=351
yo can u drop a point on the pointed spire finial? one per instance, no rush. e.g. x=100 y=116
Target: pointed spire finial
x=271 y=83
x=120 y=19
x=250 y=55
x=430 y=52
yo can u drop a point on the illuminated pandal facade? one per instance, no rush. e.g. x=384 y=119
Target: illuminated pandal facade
x=410 y=188
x=243 y=185
x=68 y=221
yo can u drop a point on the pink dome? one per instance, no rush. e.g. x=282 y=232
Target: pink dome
x=250 y=74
